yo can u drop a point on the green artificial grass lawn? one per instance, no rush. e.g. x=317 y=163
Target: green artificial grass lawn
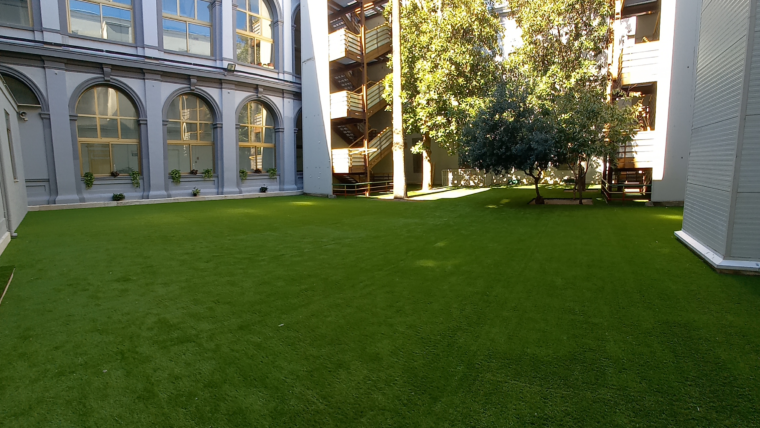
x=302 y=311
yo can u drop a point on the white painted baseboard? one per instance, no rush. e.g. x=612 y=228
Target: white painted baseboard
x=717 y=261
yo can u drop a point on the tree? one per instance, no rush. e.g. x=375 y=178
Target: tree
x=448 y=66
x=589 y=127
x=510 y=133
x=399 y=175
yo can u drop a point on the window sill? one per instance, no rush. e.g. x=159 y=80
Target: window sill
x=102 y=40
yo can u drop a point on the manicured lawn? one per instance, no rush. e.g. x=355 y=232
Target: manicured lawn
x=301 y=311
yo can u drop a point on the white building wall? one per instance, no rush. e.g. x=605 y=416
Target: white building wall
x=722 y=209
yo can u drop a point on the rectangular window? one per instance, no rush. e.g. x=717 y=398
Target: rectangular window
x=187 y=26
x=187 y=157
x=102 y=19
x=10 y=144
x=254 y=43
x=15 y=12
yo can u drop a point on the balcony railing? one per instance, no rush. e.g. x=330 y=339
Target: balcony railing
x=639 y=63
x=345 y=46
x=378 y=41
x=346 y=104
x=640 y=153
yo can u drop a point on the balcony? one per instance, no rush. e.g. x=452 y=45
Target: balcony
x=346 y=105
x=345 y=47
x=639 y=63
x=640 y=153
x=378 y=41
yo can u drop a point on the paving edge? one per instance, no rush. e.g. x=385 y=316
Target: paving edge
x=161 y=201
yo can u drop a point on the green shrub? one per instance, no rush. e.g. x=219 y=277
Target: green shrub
x=272 y=172
x=118 y=197
x=243 y=175
x=135 y=176
x=176 y=176
x=89 y=180
x=208 y=173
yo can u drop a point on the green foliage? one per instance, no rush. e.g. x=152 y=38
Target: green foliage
x=448 y=53
x=176 y=176
x=272 y=172
x=89 y=180
x=196 y=191
x=243 y=174
x=118 y=197
x=511 y=133
x=207 y=173
x=263 y=189
x=135 y=176
x=564 y=43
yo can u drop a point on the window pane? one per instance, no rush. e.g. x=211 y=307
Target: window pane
x=124 y=2
x=264 y=54
x=129 y=129
x=243 y=116
x=126 y=108
x=269 y=120
x=204 y=11
x=189 y=105
x=203 y=157
x=170 y=6
x=240 y=20
x=109 y=128
x=253 y=6
x=118 y=24
x=173 y=131
x=243 y=49
x=204 y=115
x=257 y=114
x=267 y=159
x=22 y=93
x=14 y=12
x=205 y=132
x=125 y=158
x=96 y=158
x=243 y=134
x=107 y=101
x=187 y=8
x=247 y=158
x=173 y=112
x=85 y=18
x=265 y=12
x=189 y=131
x=269 y=135
x=256 y=136
x=255 y=24
x=87 y=127
x=175 y=36
x=266 y=28
x=86 y=104
x=199 y=39
x=179 y=157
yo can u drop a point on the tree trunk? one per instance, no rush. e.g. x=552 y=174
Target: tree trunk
x=581 y=182
x=427 y=166
x=536 y=180
x=399 y=176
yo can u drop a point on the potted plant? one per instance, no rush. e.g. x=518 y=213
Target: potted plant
x=243 y=175
x=175 y=175
x=196 y=191
x=263 y=189
x=194 y=171
x=114 y=174
x=257 y=171
x=207 y=173
x=89 y=180
x=272 y=172
x=118 y=197
x=135 y=176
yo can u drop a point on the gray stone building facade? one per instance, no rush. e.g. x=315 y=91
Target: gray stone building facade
x=131 y=90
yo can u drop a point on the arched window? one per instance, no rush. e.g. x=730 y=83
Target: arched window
x=23 y=94
x=297 y=43
x=107 y=132
x=189 y=135
x=254 y=43
x=256 y=138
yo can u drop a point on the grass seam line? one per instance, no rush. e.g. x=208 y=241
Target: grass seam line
x=7 y=285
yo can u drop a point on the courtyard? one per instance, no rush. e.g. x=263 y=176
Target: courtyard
x=302 y=311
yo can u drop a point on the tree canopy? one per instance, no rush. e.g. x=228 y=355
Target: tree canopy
x=448 y=63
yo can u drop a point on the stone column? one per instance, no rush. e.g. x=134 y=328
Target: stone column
x=156 y=174
x=66 y=170
x=228 y=145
